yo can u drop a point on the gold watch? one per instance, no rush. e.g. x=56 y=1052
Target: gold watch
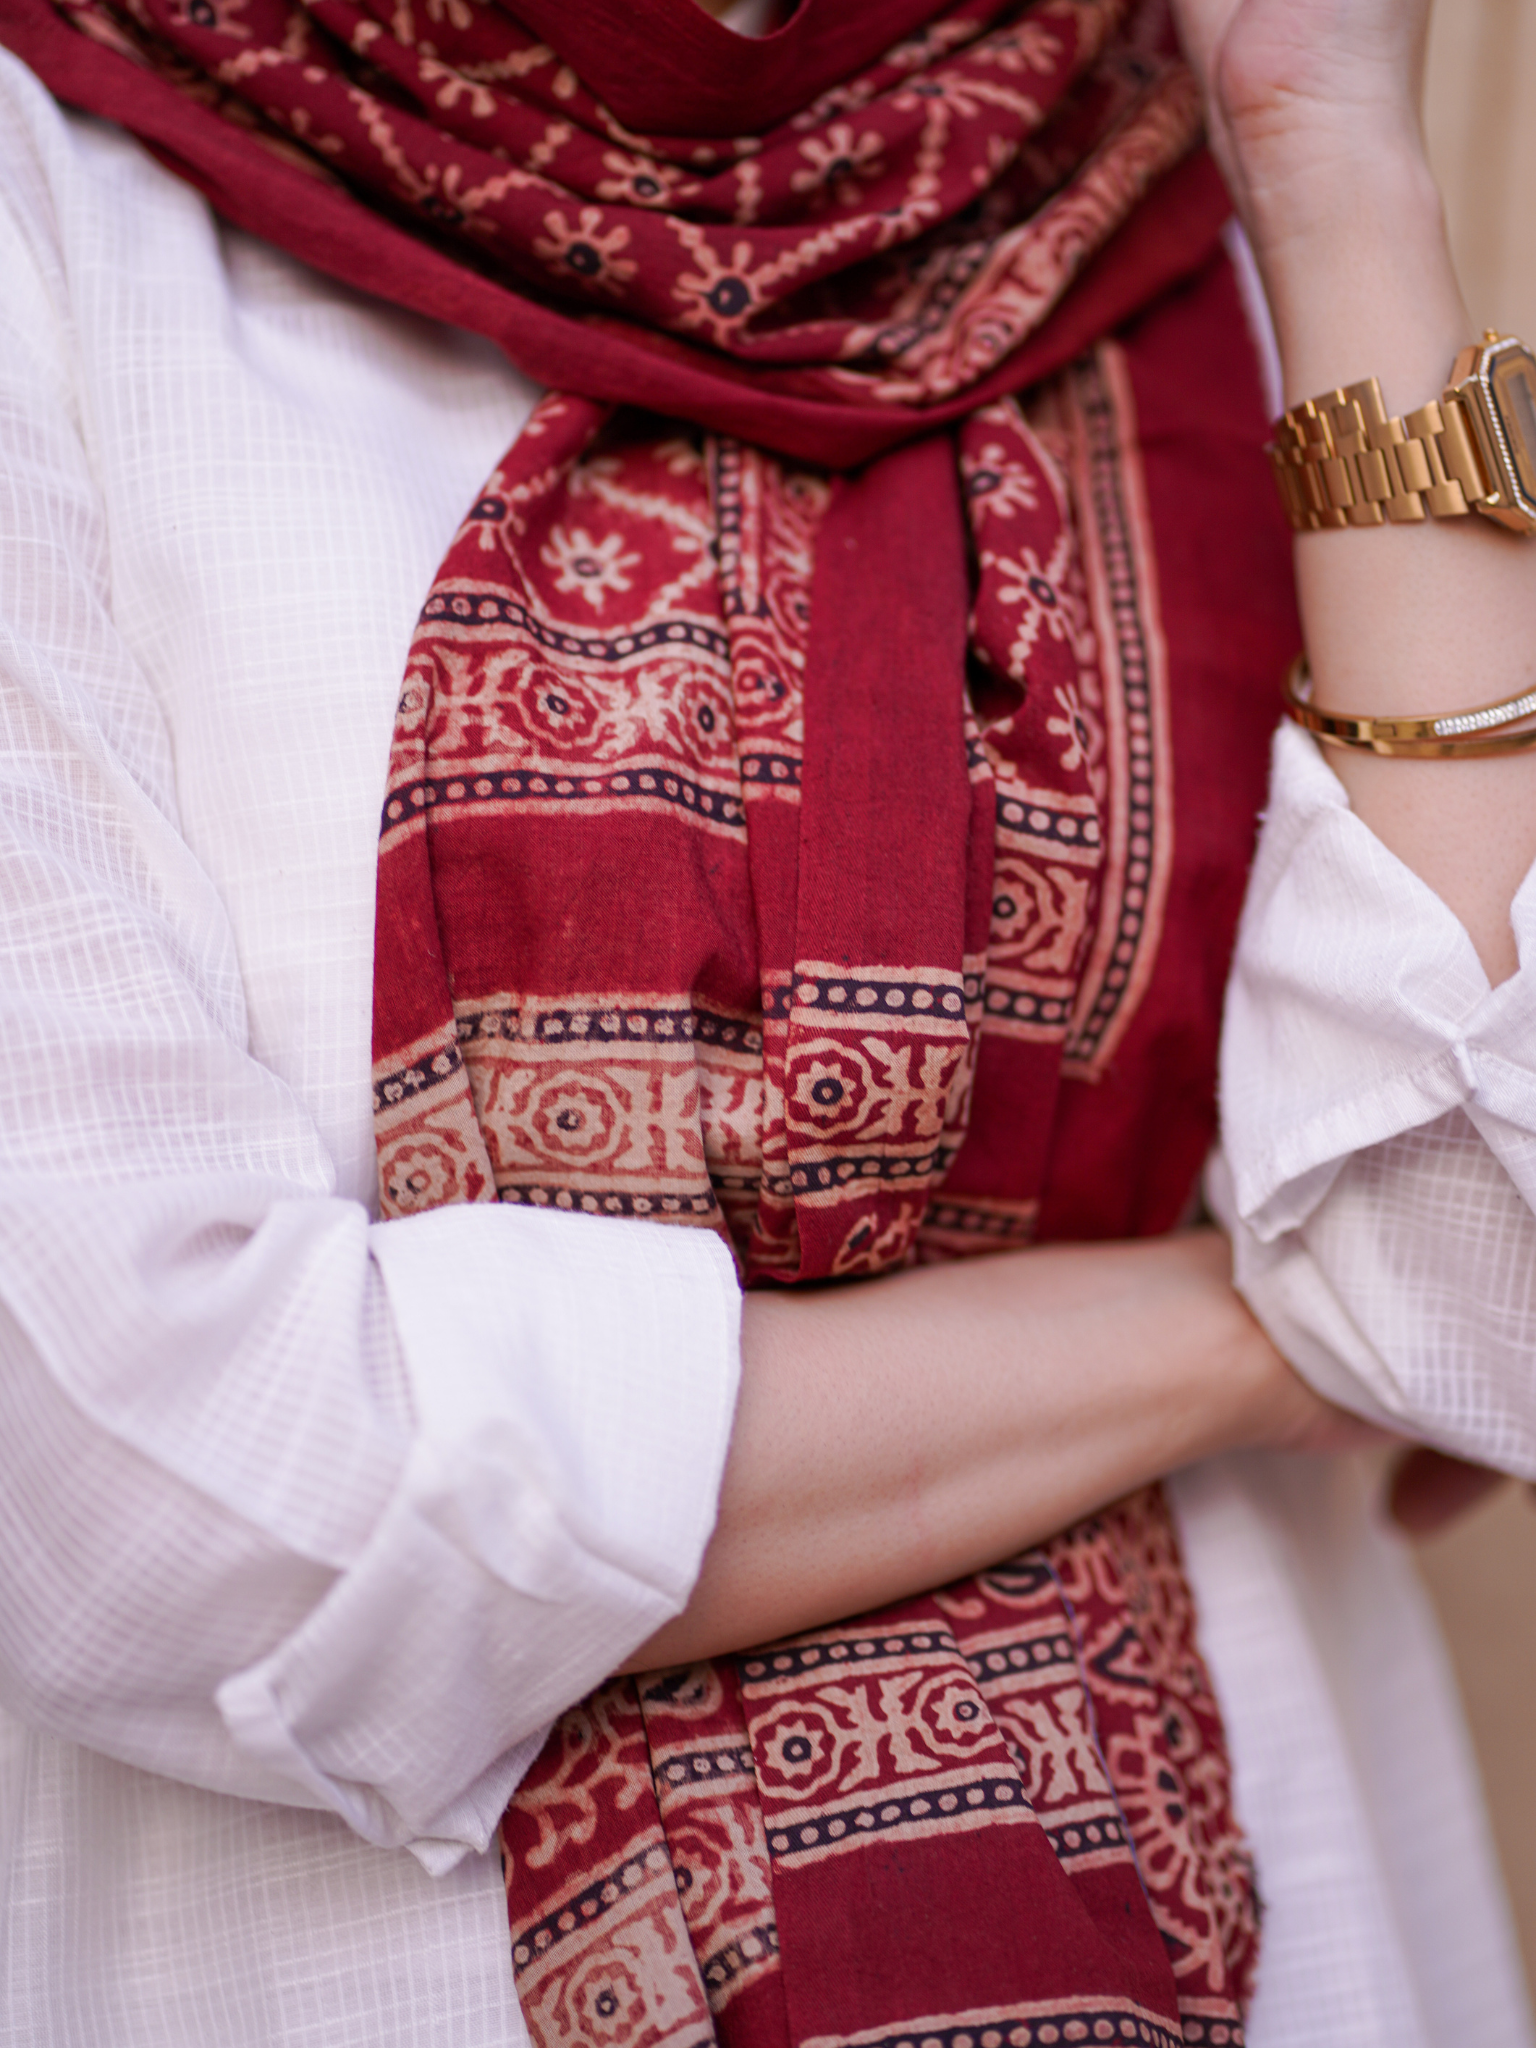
x=1340 y=461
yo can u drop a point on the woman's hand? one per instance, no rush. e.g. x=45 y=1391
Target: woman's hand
x=1305 y=98
x=897 y=1434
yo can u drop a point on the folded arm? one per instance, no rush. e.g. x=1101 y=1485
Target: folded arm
x=893 y=1436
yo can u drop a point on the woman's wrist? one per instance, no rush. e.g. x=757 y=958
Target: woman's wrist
x=1210 y=1368
x=1358 y=270
x=1274 y=1409
x=1325 y=187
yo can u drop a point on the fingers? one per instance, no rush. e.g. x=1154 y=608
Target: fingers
x=1429 y=1490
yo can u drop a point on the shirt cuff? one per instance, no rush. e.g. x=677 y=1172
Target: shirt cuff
x=1357 y=1008
x=575 y=1381
x=1304 y=1318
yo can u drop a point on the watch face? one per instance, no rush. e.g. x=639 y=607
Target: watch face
x=1511 y=385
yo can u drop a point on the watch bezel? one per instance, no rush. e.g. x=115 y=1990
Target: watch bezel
x=1508 y=503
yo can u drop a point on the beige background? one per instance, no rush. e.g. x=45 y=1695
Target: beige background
x=1479 y=117
x=1482 y=79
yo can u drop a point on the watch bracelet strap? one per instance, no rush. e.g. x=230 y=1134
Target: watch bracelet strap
x=1484 y=729
x=1341 y=461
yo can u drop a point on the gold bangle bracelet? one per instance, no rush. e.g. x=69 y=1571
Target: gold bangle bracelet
x=1447 y=736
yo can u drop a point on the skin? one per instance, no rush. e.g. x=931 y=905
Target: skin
x=894 y=1435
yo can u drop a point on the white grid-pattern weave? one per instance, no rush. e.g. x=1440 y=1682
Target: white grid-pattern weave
x=294 y=1505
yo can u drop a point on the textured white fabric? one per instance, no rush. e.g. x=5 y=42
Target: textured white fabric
x=237 y=1419
x=1384 y=1926
x=136 y=1912
x=1379 y=1120
x=294 y=1505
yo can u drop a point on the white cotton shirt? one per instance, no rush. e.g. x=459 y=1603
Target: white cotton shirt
x=298 y=1507
x=311 y=1524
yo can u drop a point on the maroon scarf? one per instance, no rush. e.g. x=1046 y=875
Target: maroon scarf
x=886 y=243
x=845 y=859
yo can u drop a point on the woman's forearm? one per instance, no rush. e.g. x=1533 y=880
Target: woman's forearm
x=1315 y=113
x=896 y=1435
x=1434 y=617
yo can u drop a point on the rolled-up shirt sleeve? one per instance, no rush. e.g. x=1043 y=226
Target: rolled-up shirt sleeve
x=293 y=1504
x=1379 y=1130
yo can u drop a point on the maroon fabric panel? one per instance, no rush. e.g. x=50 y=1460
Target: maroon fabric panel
x=885 y=774
x=1129 y=1145
x=884 y=783
x=885 y=1933
x=410 y=975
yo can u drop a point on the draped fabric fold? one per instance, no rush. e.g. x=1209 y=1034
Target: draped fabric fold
x=944 y=203
x=817 y=809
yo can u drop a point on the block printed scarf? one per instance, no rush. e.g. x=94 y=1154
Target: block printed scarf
x=781 y=839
